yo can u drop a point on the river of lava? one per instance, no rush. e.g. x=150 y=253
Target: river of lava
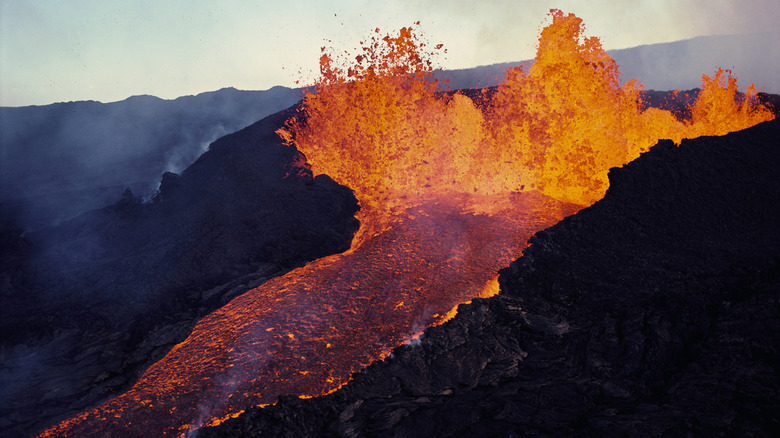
x=306 y=332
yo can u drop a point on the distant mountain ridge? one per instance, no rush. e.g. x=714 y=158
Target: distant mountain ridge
x=667 y=66
x=63 y=159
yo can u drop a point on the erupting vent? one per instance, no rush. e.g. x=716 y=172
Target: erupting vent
x=451 y=188
x=380 y=128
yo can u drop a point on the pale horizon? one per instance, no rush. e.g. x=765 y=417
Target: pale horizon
x=108 y=51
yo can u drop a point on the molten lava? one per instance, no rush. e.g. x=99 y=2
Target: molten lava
x=450 y=192
x=380 y=128
x=306 y=332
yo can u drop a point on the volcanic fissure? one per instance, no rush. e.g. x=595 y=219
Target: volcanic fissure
x=442 y=178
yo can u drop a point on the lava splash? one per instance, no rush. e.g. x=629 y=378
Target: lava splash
x=378 y=126
x=450 y=187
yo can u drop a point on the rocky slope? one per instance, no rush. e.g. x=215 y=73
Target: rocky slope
x=89 y=304
x=655 y=312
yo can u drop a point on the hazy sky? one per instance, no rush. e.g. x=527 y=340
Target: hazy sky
x=63 y=50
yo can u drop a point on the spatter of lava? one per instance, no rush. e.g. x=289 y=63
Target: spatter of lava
x=451 y=188
x=379 y=127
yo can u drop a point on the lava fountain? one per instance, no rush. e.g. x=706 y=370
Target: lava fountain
x=450 y=192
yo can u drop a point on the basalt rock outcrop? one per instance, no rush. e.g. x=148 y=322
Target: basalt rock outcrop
x=655 y=312
x=89 y=304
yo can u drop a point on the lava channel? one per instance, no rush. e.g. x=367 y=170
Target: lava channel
x=305 y=333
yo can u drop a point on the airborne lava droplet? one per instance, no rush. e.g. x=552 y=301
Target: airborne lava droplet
x=438 y=176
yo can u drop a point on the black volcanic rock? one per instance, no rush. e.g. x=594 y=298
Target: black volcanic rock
x=678 y=103
x=655 y=312
x=89 y=304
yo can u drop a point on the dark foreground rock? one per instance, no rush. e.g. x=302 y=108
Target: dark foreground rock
x=655 y=312
x=89 y=304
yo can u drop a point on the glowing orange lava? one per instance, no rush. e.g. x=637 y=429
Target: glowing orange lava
x=306 y=332
x=379 y=127
x=439 y=178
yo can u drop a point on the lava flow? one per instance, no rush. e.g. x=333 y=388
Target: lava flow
x=450 y=192
x=305 y=333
